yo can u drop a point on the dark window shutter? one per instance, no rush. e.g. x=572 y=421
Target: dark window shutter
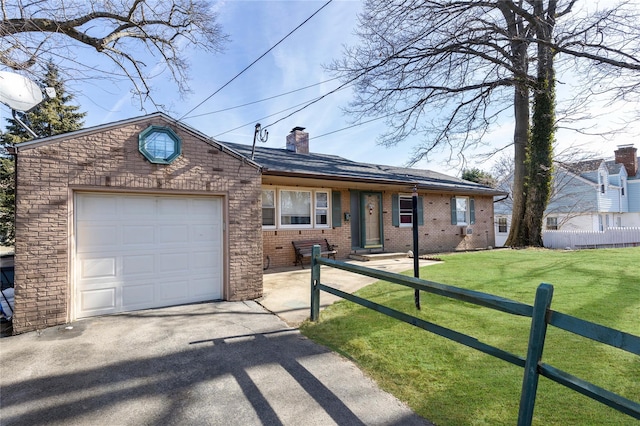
x=454 y=219
x=395 y=210
x=472 y=211
x=420 y=211
x=336 y=209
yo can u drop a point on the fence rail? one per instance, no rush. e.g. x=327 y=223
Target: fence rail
x=541 y=317
x=612 y=237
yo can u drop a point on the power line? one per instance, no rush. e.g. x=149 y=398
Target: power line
x=252 y=63
x=262 y=100
x=342 y=86
x=350 y=127
x=270 y=115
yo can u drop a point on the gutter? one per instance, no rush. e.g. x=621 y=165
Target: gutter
x=435 y=186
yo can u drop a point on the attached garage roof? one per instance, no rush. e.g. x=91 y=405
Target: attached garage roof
x=157 y=115
x=282 y=162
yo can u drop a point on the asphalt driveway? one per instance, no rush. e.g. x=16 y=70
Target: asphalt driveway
x=231 y=363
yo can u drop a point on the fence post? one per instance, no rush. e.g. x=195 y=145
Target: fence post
x=537 y=335
x=315 y=280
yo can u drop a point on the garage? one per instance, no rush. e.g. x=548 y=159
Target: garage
x=136 y=214
x=135 y=251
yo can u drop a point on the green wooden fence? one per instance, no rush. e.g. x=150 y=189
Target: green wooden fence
x=541 y=316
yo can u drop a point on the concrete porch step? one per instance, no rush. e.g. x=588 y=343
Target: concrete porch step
x=365 y=257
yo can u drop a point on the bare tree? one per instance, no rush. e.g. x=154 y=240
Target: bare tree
x=130 y=33
x=449 y=70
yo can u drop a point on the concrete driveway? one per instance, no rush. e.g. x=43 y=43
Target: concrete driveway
x=231 y=363
x=287 y=291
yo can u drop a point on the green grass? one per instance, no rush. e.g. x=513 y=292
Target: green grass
x=450 y=384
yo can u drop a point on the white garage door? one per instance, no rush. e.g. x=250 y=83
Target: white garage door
x=141 y=251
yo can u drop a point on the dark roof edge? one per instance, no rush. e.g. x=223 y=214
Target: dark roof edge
x=102 y=127
x=461 y=188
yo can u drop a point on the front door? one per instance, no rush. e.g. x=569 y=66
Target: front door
x=371 y=214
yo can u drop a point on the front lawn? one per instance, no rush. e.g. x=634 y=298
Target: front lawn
x=451 y=384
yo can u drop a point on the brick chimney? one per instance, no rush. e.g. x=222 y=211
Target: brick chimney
x=628 y=156
x=298 y=141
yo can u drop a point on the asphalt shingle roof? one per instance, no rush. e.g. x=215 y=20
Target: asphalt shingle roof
x=588 y=169
x=276 y=161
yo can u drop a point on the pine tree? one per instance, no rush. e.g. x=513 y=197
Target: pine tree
x=51 y=117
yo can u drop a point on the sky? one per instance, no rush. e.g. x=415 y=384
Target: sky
x=300 y=61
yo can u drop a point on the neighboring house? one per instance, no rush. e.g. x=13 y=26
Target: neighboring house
x=361 y=207
x=587 y=196
x=148 y=212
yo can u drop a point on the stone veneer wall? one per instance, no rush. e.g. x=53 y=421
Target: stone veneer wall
x=109 y=159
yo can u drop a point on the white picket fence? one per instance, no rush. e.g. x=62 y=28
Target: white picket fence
x=612 y=237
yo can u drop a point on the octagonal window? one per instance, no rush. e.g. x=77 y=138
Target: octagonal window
x=159 y=145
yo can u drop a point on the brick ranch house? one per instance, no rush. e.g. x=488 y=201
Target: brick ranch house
x=363 y=208
x=147 y=212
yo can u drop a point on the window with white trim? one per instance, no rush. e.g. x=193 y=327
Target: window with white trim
x=322 y=209
x=462 y=211
x=405 y=210
x=502 y=225
x=295 y=208
x=268 y=208
x=552 y=223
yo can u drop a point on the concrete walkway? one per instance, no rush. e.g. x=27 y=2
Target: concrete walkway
x=287 y=291
x=221 y=363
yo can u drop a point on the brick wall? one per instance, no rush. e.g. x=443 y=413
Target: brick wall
x=109 y=159
x=436 y=235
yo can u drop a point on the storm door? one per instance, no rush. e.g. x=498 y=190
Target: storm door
x=371 y=219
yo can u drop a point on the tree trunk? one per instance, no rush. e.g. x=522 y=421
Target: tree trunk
x=521 y=111
x=516 y=236
x=540 y=155
x=539 y=160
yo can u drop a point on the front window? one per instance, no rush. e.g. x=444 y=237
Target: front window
x=502 y=225
x=406 y=210
x=461 y=210
x=295 y=208
x=322 y=209
x=268 y=208
x=552 y=223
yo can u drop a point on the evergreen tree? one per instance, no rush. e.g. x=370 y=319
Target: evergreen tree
x=479 y=176
x=51 y=117
x=7 y=201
